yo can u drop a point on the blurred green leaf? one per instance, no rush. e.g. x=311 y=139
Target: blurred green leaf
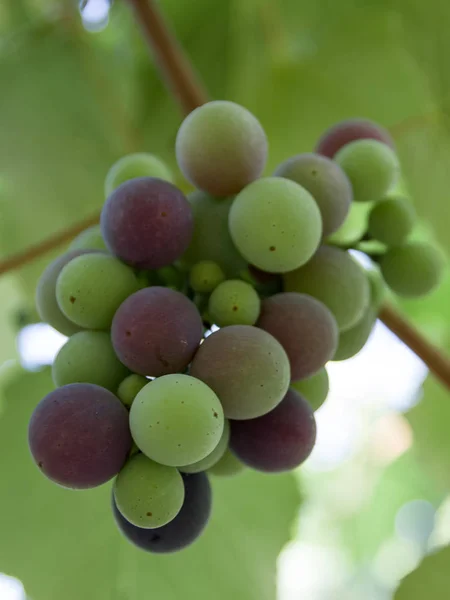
x=431 y=581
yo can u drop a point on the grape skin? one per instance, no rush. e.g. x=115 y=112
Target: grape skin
x=130 y=387
x=89 y=239
x=391 y=221
x=314 y=389
x=228 y=466
x=351 y=130
x=212 y=458
x=354 y=339
x=234 y=302
x=205 y=276
x=136 y=165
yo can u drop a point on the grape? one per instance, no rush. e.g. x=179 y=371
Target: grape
x=176 y=420
x=246 y=367
x=354 y=339
x=147 y=494
x=205 y=276
x=391 y=221
x=336 y=279
x=211 y=239
x=88 y=357
x=221 y=147
x=91 y=288
x=227 y=466
x=136 y=165
x=314 y=389
x=275 y=224
x=89 y=239
x=46 y=303
x=130 y=387
x=234 y=302
x=210 y=460
x=371 y=166
x=349 y=131
x=326 y=182
x=156 y=331
x=377 y=288
x=79 y=435
x=278 y=441
x=412 y=270
x=183 y=530
x=304 y=327
x=147 y=223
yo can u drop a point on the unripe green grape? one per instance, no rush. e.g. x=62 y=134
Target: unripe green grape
x=315 y=388
x=88 y=357
x=227 y=466
x=89 y=239
x=377 y=288
x=170 y=276
x=213 y=458
x=221 y=147
x=391 y=221
x=205 y=276
x=354 y=339
x=130 y=387
x=234 y=302
x=176 y=420
x=275 y=224
x=136 y=165
x=148 y=494
x=412 y=270
x=91 y=288
x=335 y=278
x=371 y=166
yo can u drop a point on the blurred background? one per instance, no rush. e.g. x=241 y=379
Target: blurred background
x=372 y=504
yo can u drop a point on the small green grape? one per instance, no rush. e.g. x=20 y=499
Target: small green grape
x=170 y=276
x=276 y=225
x=89 y=239
x=354 y=339
x=147 y=494
x=130 y=387
x=234 y=302
x=391 y=221
x=176 y=420
x=88 y=357
x=377 y=288
x=315 y=388
x=133 y=166
x=213 y=458
x=412 y=270
x=91 y=288
x=227 y=466
x=205 y=276
x=371 y=166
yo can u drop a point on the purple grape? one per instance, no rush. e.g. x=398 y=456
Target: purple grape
x=349 y=131
x=278 y=441
x=181 y=531
x=304 y=327
x=147 y=223
x=79 y=435
x=156 y=331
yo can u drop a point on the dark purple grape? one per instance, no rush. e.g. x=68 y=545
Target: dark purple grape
x=278 y=441
x=156 y=331
x=349 y=131
x=79 y=435
x=147 y=223
x=181 y=531
x=304 y=327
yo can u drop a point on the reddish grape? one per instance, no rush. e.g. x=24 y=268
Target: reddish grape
x=349 y=131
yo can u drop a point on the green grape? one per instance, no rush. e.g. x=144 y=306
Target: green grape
x=130 y=387
x=213 y=458
x=221 y=147
x=211 y=239
x=147 y=494
x=227 y=466
x=176 y=420
x=275 y=224
x=234 y=302
x=335 y=278
x=354 y=339
x=354 y=226
x=170 y=276
x=412 y=270
x=133 y=166
x=88 y=357
x=89 y=239
x=371 y=166
x=377 y=288
x=391 y=221
x=315 y=388
x=205 y=276
x=91 y=288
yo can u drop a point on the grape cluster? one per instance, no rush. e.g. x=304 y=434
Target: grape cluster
x=200 y=327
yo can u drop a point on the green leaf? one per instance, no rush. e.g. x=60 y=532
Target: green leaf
x=430 y=581
x=64 y=544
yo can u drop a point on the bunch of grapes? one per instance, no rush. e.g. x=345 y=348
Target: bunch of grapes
x=199 y=328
